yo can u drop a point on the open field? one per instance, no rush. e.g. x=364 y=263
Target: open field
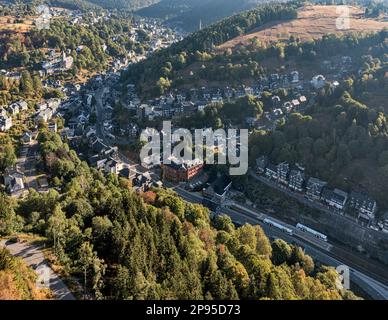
x=11 y=24
x=312 y=23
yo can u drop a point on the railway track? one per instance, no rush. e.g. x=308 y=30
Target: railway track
x=377 y=272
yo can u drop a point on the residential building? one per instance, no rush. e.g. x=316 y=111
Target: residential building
x=3 y=112
x=27 y=137
x=218 y=190
x=283 y=169
x=302 y=100
x=142 y=182
x=53 y=104
x=5 y=123
x=13 y=181
x=271 y=171
x=13 y=109
x=112 y=166
x=23 y=106
x=261 y=164
x=44 y=115
x=295 y=103
x=335 y=198
x=362 y=203
x=52 y=126
x=296 y=180
x=314 y=188
x=318 y=81
x=128 y=173
x=294 y=76
x=275 y=101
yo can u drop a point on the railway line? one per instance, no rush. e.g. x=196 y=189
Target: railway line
x=363 y=274
x=373 y=270
x=297 y=232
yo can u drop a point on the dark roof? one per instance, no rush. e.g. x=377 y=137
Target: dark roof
x=316 y=182
x=262 y=161
x=363 y=199
x=126 y=173
x=221 y=184
x=329 y=194
x=112 y=163
x=99 y=146
x=272 y=167
x=296 y=173
x=284 y=166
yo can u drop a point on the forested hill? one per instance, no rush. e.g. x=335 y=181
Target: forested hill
x=188 y=14
x=197 y=44
x=155 y=245
x=123 y=4
x=93 y=4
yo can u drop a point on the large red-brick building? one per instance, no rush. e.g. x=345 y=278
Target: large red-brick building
x=182 y=171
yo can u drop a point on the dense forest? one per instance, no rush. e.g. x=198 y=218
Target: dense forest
x=123 y=4
x=155 y=245
x=23 y=51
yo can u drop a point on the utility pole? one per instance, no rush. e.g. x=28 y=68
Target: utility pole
x=55 y=244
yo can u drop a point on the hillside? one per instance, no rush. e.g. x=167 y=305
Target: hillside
x=13 y=25
x=189 y=14
x=313 y=22
x=93 y=4
x=17 y=281
x=154 y=245
x=199 y=45
x=123 y=4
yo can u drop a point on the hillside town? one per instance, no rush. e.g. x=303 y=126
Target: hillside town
x=80 y=106
x=74 y=99
x=84 y=104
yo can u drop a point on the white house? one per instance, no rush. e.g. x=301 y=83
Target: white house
x=318 y=81
x=294 y=77
x=5 y=123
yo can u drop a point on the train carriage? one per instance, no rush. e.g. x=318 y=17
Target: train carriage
x=278 y=226
x=313 y=232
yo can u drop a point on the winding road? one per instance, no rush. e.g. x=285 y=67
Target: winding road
x=34 y=258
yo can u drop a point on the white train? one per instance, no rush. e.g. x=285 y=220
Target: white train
x=312 y=232
x=278 y=226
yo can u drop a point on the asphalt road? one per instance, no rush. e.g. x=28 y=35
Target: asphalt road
x=35 y=259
